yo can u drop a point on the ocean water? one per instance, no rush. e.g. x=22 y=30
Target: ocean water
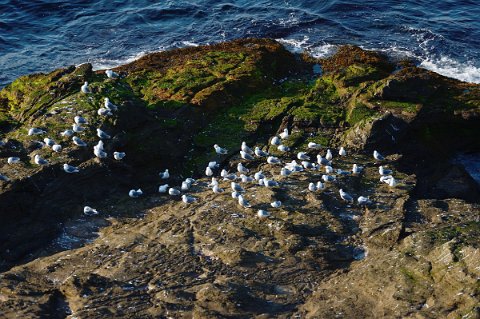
x=41 y=35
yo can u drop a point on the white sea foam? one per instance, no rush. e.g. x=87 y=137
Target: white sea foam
x=103 y=63
x=465 y=71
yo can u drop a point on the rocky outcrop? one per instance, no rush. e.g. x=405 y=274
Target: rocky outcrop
x=412 y=252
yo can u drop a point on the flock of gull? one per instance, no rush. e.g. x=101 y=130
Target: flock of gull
x=246 y=153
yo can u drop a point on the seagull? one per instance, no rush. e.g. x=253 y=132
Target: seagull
x=185 y=186
x=275 y=141
x=135 y=193
x=110 y=74
x=270 y=183
x=213 y=183
x=276 y=204
x=314 y=146
x=109 y=105
x=85 y=89
x=39 y=160
x=163 y=188
x=378 y=156
x=383 y=171
x=164 y=175
x=77 y=128
x=213 y=165
x=342 y=151
x=273 y=160
x=119 y=155
x=208 y=171
x=342 y=172
x=245 y=148
x=345 y=196
x=392 y=182
x=246 y=156
x=188 y=199
x=260 y=153
x=57 y=148
x=102 y=134
x=284 y=134
x=294 y=166
x=87 y=210
x=262 y=213
x=70 y=169
x=67 y=133
x=190 y=180
x=312 y=187
x=307 y=164
x=285 y=171
x=173 y=191
x=77 y=141
x=236 y=187
x=235 y=195
x=242 y=169
x=303 y=156
x=4 y=178
x=13 y=160
x=328 y=169
x=104 y=112
x=49 y=141
x=283 y=148
x=219 y=150
x=320 y=185
x=99 y=152
x=259 y=175
x=230 y=177
x=246 y=179
x=328 y=178
x=99 y=146
x=356 y=169
x=35 y=131
x=386 y=178
x=243 y=202
x=217 y=190
x=362 y=200
x=329 y=155
x=322 y=161
x=79 y=120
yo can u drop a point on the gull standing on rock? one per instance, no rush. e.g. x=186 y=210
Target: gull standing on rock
x=219 y=150
x=322 y=161
x=99 y=152
x=275 y=141
x=342 y=151
x=188 y=199
x=13 y=160
x=163 y=188
x=284 y=134
x=356 y=169
x=79 y=120
x=312 y=187
x=283 y=148
x=217 y=190
x=102 y=134
x=285 y=171
x=70 y=169
x=242 y=169
x=236 y=187
x=262 y=213
x=328 y=178
x=35 y=131
x=246 y=179
x=270 y=183
x=173 y=192
x=77 y=141
x=208 y=171
x=362 y=200
x=273 y=160
x=135 y=193
x=49 y=141
x=259 y=175
x=87 y=210
x=378 y=156
x=119 y=155
x=235 y=195
x=276 y=204
x=314 y=146
x=109 y=105
x=77 y=128
x=320 y=185
x=303 y=156
x=328 y=169
x=85 y=89
x=260 y=153
x=104 y=112
x=329 y=155
x=39 y=160
x=246 y=156
x=213 y=165
x=164 y=175
x=111 y=74
x=67 y=133
x=246 y=149
x=383 y=171
x=243 y=202
x=345 y=196
x=57 y=148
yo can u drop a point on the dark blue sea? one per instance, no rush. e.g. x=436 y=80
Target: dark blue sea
x=41 y=35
